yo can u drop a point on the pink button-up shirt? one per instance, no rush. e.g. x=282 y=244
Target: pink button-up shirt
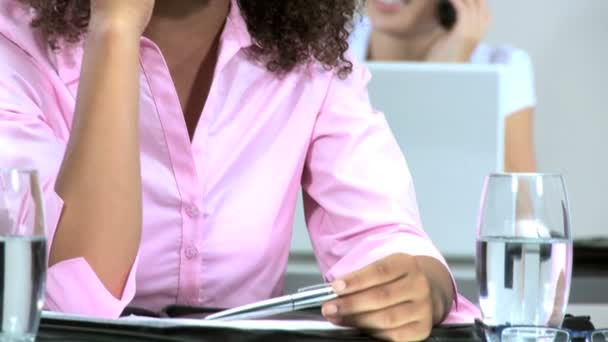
x=218 y=210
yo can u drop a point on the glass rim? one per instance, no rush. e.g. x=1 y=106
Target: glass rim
x=26 y=171
x=538 y=332
x=525 y=174
x=501 y=329
x=532 y=327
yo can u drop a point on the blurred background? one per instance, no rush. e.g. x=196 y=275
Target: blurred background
x=568 y=44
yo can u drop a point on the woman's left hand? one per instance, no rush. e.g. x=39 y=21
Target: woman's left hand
x=393 y=298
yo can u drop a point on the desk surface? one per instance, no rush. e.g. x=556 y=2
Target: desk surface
x=53 y=330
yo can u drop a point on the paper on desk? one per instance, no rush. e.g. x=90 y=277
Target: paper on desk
x=249 y=325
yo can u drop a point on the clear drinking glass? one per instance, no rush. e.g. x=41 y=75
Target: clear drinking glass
x=524 y=251
x=22 y=255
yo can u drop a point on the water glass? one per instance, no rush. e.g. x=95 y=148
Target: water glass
x=22 y=255
x=524 y=252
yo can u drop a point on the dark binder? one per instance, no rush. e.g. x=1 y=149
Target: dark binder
x=591 y=255
x=65 y=330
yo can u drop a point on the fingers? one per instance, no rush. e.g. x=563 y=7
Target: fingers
x=472 y=22
x=380 y=272
x=416 y=331
x=403 y=322
x=411 y=288
x=388 y=318
x=461 y=8
x=472 y=13
x=473 y=6
x=466 y=17
x=485 y=15
x=390 y=298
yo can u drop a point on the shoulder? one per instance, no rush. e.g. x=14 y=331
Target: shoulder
x=518 y=76
x=26 y=65
x=505 y=55
x=359 y=38
x=20 y=44
x=342 y=94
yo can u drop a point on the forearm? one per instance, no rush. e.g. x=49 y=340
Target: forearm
x=519 y=159
x=443 y=293
x=519 y=142
x=100 y=179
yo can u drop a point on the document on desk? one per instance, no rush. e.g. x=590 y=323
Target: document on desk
x=287 y=324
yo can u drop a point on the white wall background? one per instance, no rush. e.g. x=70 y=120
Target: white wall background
x=568 y=43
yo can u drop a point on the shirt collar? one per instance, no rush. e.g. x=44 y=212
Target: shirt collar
x=15 y=19
x=234 y=37
x=236 y=28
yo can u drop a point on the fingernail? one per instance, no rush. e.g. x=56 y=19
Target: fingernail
x=330 y=310
x=339 y=285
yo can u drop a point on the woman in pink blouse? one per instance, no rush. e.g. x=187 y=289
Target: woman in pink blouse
x=172 y=138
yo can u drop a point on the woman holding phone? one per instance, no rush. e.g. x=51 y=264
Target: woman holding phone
x=451 y=31
x=172 y=138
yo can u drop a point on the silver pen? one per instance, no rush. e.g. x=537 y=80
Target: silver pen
x=308 y=297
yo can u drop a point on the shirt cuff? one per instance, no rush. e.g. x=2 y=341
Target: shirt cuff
x=464 y=313
x=72 y=287
x=372 y=250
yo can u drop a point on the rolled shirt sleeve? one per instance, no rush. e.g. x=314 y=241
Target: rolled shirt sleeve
x=519 y=84
x=359 y=198
x=32 y=136
x=517 y=80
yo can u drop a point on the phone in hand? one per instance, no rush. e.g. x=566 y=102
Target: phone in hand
x=446 y=14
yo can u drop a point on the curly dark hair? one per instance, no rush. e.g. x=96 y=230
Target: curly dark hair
x=286 y=33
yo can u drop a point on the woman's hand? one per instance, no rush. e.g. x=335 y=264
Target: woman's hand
x=128 y=16
x=472 y=21
x=398 y=298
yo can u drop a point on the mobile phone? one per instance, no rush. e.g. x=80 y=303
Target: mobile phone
x=446 y=13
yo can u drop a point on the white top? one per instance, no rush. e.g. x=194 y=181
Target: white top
x=518 y=76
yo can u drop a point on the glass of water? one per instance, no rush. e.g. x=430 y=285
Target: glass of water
x=524 y=251
x=22 y=255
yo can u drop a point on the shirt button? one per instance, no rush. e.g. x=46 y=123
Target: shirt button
x=192 y=211
x=191 y=252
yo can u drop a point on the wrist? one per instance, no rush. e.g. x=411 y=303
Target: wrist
x=113 y=28
x=468 y=49
x=441 y=285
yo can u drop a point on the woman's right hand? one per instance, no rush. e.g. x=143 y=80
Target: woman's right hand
x=126 y=15
x=473 y=19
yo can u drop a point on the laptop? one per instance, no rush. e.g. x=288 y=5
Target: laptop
x=447 y=121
